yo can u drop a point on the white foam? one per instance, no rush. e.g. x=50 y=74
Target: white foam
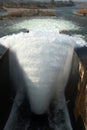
x=40 y=61
x=79 y=41
x=50 y=24
x=43 y=58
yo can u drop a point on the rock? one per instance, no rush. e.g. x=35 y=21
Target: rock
x=24 y=30
x=82 y=11
x=76 y=93
x=65 y=32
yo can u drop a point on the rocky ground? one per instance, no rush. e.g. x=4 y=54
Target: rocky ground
x=81 y=11
x=82 y=96
x=32 y=8
x=82 y=8
x=20 y=12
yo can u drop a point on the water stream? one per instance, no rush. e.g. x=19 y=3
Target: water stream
x=40 y=63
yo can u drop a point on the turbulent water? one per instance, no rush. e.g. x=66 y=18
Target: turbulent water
x=44 y=25
x=39 y=56
x=3 y=13
x=40 y=61
x=51 y=24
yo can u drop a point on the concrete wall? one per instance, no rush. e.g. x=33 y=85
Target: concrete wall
x=5 y=90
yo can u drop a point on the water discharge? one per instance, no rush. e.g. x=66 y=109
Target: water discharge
x=45 y=24
x=40 y=61
x=50 y=24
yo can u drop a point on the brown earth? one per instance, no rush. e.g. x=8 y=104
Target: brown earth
x=24 y=12
x=81 y=11
x=31 y=12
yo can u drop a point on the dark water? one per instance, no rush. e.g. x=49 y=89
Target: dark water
x=67 y=14
x=3 y=12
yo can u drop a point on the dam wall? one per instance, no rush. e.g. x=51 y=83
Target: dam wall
x=74 y=93
x=5 y=90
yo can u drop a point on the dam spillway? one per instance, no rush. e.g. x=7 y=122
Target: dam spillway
x=23 y=108
x=36 y=60
x=43 y=69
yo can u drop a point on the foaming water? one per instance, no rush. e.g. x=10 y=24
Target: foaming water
x=52 y=25
x=42 y=57
x=46 y=24
x=40 y=61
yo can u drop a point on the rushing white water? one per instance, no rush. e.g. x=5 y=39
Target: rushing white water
x=40 y=61
x=50 y=24
x=44 y=60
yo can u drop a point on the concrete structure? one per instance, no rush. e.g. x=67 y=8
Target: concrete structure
x=5 y=90
x=21 y=116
